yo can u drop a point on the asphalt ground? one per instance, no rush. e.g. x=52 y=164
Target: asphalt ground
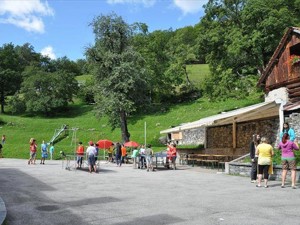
x=50 y=194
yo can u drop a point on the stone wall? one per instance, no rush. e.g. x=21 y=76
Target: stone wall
x=193 y=136
x=244 y=169
x=294 y=122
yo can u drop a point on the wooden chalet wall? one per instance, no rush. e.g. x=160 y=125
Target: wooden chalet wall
x=283 y=74
x=219 y=138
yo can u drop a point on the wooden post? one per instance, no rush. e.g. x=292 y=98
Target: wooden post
x=234 y=134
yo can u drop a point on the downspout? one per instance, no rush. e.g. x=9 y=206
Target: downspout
x=281 y=112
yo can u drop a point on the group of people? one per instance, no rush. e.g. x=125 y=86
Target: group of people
x=92 y=152
x=44 y=151
x=142 y=156
x=261 y=154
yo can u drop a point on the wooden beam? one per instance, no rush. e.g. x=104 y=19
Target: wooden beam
x=293 y=83
x=295 y=94
x=234 y=134
x=293 y=100
x=293 y=90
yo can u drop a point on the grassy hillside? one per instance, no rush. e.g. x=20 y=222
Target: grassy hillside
x=197 y=73
x=20 y=129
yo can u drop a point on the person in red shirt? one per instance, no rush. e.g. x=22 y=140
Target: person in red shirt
x=80 y=154
x=172 y=154
x=33 y=147
x=124 y=154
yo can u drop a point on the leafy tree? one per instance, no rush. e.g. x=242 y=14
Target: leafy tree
x=182 y=52
x=10 y=72
x=154 y=49
x=118 y=70
x=17 y=104
x=83 y=66
x=46 y=91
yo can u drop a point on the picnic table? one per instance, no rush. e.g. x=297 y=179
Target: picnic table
x=209 y=160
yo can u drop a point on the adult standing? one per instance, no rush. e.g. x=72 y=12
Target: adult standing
x=1 y=150
x=135 y=155
x=172 y=154
x=44 y=151
x=288 y=160
x=265 y=153
x=255 y=141
x=149 y=155
x=110 y=153
x=97 y=152
x=32 y=148
x=124 y=154
x=80 y=153
x=287 y=130
x=142 y=157
x=91 y=152
x=118 y=154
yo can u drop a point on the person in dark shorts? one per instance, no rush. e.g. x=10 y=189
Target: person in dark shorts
x=288 y=159
x=80 y=153
x=255 y=141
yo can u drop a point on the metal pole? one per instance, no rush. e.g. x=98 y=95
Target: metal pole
x=145 y=134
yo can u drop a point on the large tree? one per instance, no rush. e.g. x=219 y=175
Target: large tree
x=10 y=72
x=43 y=91
x=120 y=77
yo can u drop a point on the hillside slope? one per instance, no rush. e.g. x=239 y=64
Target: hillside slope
x=20 y=129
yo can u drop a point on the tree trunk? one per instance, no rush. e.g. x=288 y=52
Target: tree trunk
x=2 y=102
x=187 y=76
x=124 y=129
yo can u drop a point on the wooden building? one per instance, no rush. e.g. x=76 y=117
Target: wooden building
x=231 y=133
x=282 y=74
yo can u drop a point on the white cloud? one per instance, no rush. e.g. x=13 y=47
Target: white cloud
x=48 y=51
x=190 y=6
x=26 y=14
x=146 y=3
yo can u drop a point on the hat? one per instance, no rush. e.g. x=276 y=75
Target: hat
x=91 y=143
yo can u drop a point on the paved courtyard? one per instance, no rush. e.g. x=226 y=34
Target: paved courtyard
x=49 y=194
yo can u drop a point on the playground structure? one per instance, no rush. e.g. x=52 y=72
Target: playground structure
x=64 y=129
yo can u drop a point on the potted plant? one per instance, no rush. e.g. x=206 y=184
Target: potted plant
x=294 y=59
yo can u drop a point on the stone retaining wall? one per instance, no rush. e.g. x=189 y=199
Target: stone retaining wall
x=244 y=169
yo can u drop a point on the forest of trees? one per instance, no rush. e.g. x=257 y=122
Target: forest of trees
x=133 y=68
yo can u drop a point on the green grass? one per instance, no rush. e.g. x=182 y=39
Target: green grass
x=83 y=78
x=197 y=73
x=19 y=129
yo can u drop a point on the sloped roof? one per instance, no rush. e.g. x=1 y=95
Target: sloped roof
x=277 y=53
x=253 y=112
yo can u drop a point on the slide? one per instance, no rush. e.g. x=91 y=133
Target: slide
x=58 y=132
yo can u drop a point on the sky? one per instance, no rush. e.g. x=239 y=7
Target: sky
x=59 y=28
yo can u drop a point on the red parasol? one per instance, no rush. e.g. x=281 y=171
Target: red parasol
x=131 y=144
x=104 y=143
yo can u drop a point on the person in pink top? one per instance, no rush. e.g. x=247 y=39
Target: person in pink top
x=288 y=159
x=33 y=147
